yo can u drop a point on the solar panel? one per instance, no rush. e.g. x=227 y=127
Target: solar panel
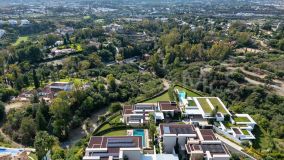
x=111 y=145
x=120 y=140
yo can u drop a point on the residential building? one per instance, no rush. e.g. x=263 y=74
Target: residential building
x=25 y=22
x=206 y=146
x=12 y=22
x=117 y=147
x=173 y=133
x=13 y=154
x=139 y=114
x=239 y=127
x=196 y=143
x=2 y=33
x=168 y=108
x=65 y=86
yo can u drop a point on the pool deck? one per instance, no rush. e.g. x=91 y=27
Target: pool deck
x=130 y=132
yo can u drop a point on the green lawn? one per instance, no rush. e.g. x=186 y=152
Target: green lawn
x=245 y=132
x=215 y=102
x=188 y=92
x=191 y=103
x=163 y=97
x=241 y=119
x=166 y=97
x=204 y=105
x=106 y=126
x=21 y=39
x=116 y=133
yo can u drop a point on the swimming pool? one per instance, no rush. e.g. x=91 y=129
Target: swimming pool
x=10 y=151
x=181 y=95
x=140 y=132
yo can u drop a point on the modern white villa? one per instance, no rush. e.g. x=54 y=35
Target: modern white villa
x=237 y=127
x=197 y=143
x=138 y=114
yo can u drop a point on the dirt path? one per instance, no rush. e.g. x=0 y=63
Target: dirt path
x=278 y=87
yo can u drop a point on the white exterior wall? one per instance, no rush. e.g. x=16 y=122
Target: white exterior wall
x=132 y=154
x=169 y=142
x=221 y=157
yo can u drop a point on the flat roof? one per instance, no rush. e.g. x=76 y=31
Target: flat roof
x=212 y=148
x=177 y=129
x=208 y=134
x=127 y=109
x=113 y=144
x=167 y=105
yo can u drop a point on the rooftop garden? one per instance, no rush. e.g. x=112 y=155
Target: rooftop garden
x=245 y=132
x=191 y=103
x=241 y=119
x=215 y=102
x=204 y=105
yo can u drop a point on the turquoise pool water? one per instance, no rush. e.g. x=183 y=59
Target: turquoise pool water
x=140 y=132
x=10 y=151
x=181 y=95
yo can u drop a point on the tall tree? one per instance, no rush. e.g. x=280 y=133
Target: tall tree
x=35 y=78
x=43 y=143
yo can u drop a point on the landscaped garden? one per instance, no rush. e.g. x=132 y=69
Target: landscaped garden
x=215 y=102
x=165 y=96
x=117 y=133
x=241 y=119
x=189 y=93
x=204 y=105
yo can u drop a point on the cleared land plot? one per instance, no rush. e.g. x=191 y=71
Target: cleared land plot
x=215 y=102
x=204 y=105
x=241 y=119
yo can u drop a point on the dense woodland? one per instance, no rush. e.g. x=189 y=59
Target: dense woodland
x=180 y=54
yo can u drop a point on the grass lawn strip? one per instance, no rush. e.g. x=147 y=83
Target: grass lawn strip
x=245 y=132
x=163 y=97
x=241 y=119
x=215 y=102
x=204 y=105
x=117 y=133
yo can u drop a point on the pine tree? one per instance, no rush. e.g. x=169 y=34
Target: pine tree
x=40 y=121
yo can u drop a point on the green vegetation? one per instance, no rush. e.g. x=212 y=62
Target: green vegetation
x=215 y=102
x=20 y=40
x=204 y=105
x=116 y=133
x=245 y=132
x=241 y=119
x=188 y=92
x=164 y=97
